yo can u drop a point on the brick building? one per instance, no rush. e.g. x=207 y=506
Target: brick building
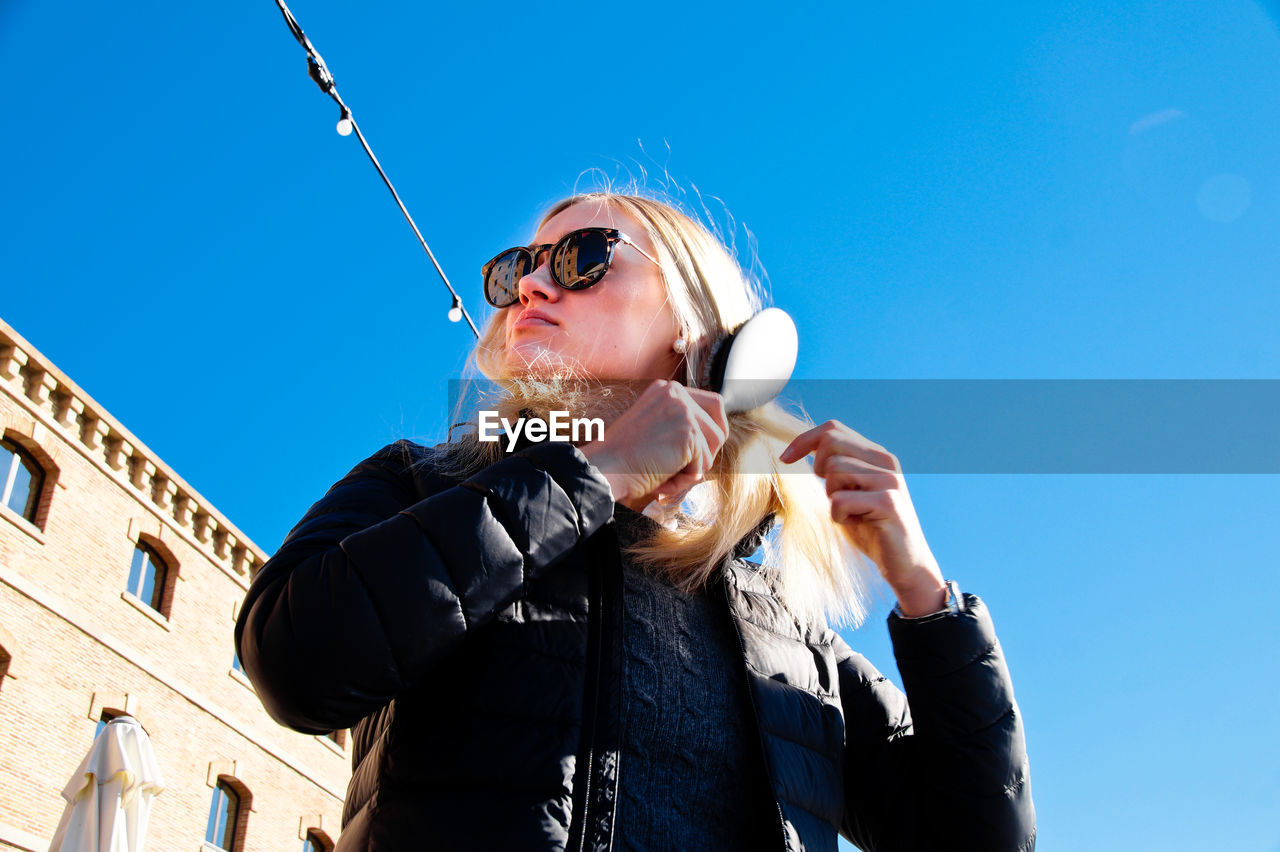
x=119 y=587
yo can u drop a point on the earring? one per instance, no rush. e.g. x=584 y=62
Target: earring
x=681 y=346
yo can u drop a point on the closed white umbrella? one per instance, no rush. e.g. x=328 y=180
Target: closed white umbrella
x=109 y=797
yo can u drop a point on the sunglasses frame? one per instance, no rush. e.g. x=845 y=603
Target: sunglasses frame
x=612 y=237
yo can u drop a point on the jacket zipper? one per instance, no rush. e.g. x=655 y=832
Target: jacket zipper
x=591 y=714
x=755 y=713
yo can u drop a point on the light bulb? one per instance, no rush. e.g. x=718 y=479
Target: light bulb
x=344 y=126
x=455 y=313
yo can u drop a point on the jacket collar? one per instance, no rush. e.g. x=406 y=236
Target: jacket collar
x=755 y=538
x=633 y=526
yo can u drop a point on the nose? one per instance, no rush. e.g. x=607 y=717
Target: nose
x=538 y=283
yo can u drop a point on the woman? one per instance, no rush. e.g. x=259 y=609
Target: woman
x=537 y=649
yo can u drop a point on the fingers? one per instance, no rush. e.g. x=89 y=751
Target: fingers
x=833 y=438
x=712 y=433
x=713 y=404
x=801 y=445
x=707 y=421
x=709 y=424
x=701 y=456
x=675 y=488
x=846 y=473
x=861 y=505
x=670 y=437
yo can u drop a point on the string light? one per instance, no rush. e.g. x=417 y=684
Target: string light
x=319 y=72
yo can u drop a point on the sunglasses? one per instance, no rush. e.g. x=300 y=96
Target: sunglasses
x=577 y=261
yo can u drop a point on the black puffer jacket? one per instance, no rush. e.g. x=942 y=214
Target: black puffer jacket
x=470 y=632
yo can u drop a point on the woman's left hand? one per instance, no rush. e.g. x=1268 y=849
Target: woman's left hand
x=869 y=501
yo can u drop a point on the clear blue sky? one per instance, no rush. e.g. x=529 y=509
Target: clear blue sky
x=991 y=191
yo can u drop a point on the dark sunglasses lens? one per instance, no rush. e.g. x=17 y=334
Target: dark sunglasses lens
x=581 y=260
x=501 y=284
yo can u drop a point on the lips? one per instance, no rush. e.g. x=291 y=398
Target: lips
x=533 y=319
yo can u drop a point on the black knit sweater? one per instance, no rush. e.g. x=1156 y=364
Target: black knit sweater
x=692 y=776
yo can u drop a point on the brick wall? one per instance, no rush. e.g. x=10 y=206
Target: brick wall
x=78 y=644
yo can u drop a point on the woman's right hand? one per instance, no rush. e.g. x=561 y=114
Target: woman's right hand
x=662 y=445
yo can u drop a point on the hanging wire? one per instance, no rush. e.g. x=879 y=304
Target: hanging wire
x=319 y=72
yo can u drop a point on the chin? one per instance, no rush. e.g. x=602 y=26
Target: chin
x=532 y=359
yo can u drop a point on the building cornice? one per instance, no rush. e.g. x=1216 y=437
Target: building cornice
x=34 y=381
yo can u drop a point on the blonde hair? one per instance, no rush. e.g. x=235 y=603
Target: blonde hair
x=815 y=573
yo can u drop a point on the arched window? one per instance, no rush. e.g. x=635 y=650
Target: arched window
x=148 y=577
x=21 y=480
x=225 y=830
x=316 y=842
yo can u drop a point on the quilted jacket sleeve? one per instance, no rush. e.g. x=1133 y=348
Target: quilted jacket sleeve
x=950 y=771
x=377 y=582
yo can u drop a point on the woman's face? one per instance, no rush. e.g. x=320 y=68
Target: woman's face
x=620 y=328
